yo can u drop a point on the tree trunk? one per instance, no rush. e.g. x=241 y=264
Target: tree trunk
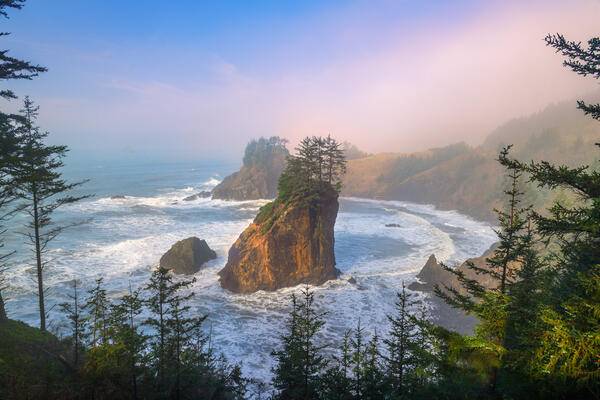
x=38 y=259
x=3 y=317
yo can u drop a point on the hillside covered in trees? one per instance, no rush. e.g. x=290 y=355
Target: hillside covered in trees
x=538 y=329
x=468 y=179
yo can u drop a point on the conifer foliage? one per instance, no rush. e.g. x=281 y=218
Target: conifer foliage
x=319 y=164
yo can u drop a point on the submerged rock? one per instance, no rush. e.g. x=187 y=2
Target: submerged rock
x=286 y=245
x=118 y=197
x=201 y=195
x=187 y=256
x=352 y=281
x=393 y=225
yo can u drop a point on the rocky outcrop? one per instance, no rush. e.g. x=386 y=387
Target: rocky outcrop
x=201 y=195
x=433 y=274
x=264 y=161
x=286 y=245
x=187 y=256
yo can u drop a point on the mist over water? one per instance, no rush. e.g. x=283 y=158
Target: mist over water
x=123 y=239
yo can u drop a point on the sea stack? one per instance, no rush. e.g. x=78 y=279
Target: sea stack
x=294 y=244
x=291 y=240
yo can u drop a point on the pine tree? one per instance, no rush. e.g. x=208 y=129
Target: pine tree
x=42 y=189
x=97 y=307
x=185 y=333
x=399 y=343
x=337 y=381
x=9 y=144
x=583 y=61
x=373 y=376
x=299 y=362
x=335 y=161
x=12 y=68
x=74 y=312
x=172 y=328
x=357 y=343
x=126 y=335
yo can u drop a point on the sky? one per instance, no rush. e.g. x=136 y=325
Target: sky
x=187 y=80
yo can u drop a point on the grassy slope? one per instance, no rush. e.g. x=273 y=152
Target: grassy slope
x=31 y=364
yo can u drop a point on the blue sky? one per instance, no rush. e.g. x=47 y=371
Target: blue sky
x=190 y=79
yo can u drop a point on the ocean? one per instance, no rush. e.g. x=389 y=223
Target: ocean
x=122 y=240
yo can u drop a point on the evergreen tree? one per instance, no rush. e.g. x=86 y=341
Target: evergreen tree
x=523 y=309
x=337 y=381
x=318 y=165
x=489 y=305
x=583 y=61
x=12 y=68
x=569 y=340
x=9 y=144
x=74 y=312
x=335 y=161
x=127 y=337
x=41 y=187
x=97 y=307
x=357 y=343
x=182 y=341
x=399 y=343
x=373 y=377
x=299 y=362
x=173 y=329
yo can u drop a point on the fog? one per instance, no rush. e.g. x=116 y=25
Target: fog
x=387 y=76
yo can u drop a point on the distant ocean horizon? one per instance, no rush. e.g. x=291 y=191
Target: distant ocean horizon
x=122 y=239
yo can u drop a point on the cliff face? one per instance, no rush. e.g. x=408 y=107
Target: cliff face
x=286 y=245
x=264 y=161
x=251 y=182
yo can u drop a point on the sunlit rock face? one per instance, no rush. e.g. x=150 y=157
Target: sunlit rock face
x=286 y=246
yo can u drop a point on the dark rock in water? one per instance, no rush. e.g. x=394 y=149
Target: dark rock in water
x=187 y=256
x=118 y=197
x=430 y=275
x=202 y=195
x=286 y=245
x=393 y=225
x=433 y=274
x=351 y=280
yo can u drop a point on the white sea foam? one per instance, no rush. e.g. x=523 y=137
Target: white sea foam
x=128 y=236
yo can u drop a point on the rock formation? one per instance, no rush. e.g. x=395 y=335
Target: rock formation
x=286 y=245
x=200 y=195
x=264 y=161
x=187 y=256
x=433 y=274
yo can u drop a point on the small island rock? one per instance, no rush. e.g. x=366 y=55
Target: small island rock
x=187 y=256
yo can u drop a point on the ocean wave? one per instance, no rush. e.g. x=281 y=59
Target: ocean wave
x=128 y=236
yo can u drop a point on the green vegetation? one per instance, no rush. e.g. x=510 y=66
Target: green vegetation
x=315 y=171
x=260 y=152
x=317 y=167
x=538 y=335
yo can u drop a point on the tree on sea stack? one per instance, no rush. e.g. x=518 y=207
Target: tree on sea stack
x=43 y=190
x=291 y=240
